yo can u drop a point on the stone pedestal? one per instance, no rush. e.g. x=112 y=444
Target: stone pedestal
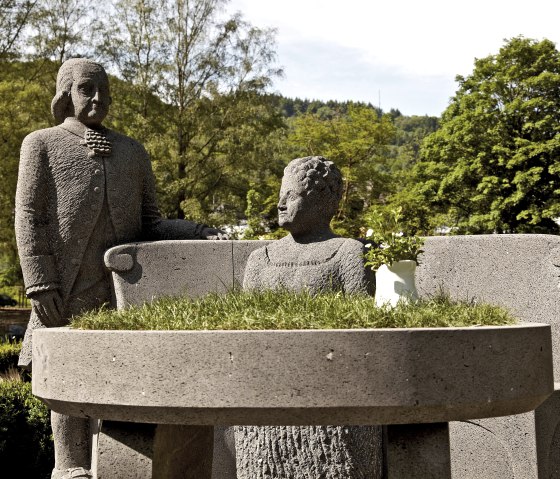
x=391 y=376
x=517 y=271
x=418 y=450
x=127 y=450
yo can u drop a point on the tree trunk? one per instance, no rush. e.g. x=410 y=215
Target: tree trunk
x=309 y=452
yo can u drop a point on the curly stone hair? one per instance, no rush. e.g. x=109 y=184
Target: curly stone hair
x=60 y=104
x=318 y=175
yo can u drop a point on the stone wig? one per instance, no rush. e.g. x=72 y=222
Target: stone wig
x=60 y=105
x=318 y=176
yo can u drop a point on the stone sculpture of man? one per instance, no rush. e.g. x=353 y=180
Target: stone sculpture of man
x=311 y=257
x=82 y=188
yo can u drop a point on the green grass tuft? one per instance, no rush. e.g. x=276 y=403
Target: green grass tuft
x=260 y=310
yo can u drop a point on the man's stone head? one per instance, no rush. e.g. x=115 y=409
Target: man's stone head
x=82 y=91
x=310 y=193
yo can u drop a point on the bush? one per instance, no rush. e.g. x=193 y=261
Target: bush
x=9 y=353
x=26 y=446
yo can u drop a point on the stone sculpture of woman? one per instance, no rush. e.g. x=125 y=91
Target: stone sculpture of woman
x=311 y=257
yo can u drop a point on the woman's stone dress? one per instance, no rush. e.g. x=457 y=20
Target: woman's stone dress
x=308 y=452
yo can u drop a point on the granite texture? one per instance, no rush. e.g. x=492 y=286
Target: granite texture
x=81 y=189
x=296 y=444
x=123 y=451
x=329 y=264
x=419 y=450
x=476 y=266
x=191 y=268
x=223 y=464
x=311 y=257
x=389 y=376
x=520 y=272
x=547 y=432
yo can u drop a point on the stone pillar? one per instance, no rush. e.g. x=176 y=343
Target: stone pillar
x=223 y=465
x=126 y=450
x=123 y=450
x=183 y=452
x=418 y=450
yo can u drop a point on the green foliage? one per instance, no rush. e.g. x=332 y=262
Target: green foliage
x=26 y=448
x=14 y=16
x=388 y=242
x=212 y=76
x=494 y=164
x=193 y=88
x=24 y=107
x=288 y=310
x=9 y=354
x=357 y=142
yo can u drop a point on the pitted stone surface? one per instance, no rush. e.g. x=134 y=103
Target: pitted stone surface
x=418 y=450
x=310 y=258
x=143 y=272
x=521 y=273
x=298 y=442
x=390 y=376
x=82 y=188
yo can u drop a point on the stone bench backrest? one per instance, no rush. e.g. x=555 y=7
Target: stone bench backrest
x=520 y=272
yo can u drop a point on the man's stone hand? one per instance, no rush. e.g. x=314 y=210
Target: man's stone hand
x=48 y=307
x=213 y=234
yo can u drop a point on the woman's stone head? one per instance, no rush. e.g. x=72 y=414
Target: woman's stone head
x=310 y=193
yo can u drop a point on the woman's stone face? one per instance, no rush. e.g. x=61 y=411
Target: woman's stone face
x=297 y=211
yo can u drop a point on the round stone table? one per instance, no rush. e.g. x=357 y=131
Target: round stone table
x=413 y=380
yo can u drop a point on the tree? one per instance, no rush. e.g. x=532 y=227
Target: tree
x=133 y=45
x=62 y=29
x=357 y=142
x=494 y=164
x=14 y=16
x=212 y=75
x=23 y=108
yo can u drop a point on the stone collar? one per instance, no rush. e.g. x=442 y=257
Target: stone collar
x=79 y=129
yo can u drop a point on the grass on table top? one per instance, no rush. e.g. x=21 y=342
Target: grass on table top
x=287 y=310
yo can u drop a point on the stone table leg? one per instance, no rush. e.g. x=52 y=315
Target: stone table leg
x=123 y=450
x=183 y=452
x=418 y=450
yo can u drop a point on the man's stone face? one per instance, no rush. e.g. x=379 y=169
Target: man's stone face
x=90 y=95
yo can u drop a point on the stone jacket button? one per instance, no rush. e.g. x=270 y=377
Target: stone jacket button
x=97 y=189
x=75 y=261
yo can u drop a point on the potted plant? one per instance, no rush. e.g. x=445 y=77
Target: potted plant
x=393 y=256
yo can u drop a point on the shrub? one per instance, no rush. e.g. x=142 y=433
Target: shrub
x=9 y=353
x=26 y=447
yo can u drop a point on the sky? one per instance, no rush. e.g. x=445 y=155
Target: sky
x=401 y=54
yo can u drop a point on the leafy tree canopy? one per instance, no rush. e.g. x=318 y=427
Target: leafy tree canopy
x=494 y=164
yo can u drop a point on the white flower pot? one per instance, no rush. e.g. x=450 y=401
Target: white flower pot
x=395 y=282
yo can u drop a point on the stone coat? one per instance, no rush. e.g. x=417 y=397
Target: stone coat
x=61 y=189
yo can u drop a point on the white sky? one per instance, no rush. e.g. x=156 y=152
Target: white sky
x=405 y=51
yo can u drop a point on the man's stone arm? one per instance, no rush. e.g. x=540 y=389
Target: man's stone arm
x=32 y=221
